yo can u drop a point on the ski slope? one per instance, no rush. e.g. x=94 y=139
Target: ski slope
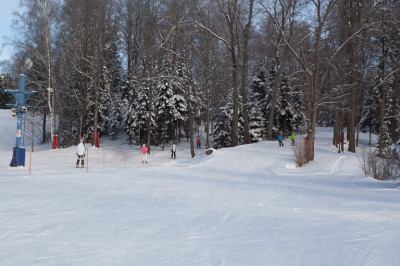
x=247 y=205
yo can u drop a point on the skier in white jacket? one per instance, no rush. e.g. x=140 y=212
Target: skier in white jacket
x=173 y=151
x=80 y=151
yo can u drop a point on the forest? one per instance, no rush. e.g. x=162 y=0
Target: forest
x=234 y=71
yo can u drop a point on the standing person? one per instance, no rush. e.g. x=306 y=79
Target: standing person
x=293 y=138
x=280 y=139
x=144 y=153
x=198 y=141
x=173 y=151
x=80 y=151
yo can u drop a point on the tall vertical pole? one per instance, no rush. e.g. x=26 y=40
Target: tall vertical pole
x=21 y=96
x=20 y=102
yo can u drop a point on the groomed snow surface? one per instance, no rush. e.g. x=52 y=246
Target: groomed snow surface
x=247 y=205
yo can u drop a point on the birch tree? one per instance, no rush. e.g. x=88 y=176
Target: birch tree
x=36 y=26
x=246 y=38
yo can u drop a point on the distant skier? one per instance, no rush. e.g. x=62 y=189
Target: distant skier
x=173 y=151
x=293 y=139
x=144 y=154
x=80 y=152
x=198 y=142
x=280 y=139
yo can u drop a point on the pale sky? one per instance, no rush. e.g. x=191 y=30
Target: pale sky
x=7 y=7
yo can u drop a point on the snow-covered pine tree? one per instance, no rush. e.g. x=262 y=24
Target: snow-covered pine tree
x=128 y=108
x=180 y=98
x=290 y=117
x=222 y=126
x=266 y=102
x=164 y=103
x=110 y=83
x=257 y=123
x=113 y=61
x=187 y=84
x=369 y=115
x=88 y=127
x=285 y=114
x=181 y=109
x=391 y=31
x=391 y=115
x=240 y=121
x=299 y=117
x=257 y=118
x=142 y=113
x=386 y=44
x=105 y=103
x=115 y=121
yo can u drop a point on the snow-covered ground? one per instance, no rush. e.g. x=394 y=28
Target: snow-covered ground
x=247 y=205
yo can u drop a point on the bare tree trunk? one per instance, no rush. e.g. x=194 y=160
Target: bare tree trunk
x=150 y=107
x=246 y=38
x=46 y=9
x=44 y=132
x=187 y=82
x=230 y=10
x=355 y=9
x=190 y=123
x=208 y=103
x=208 y=127
x=315 y=88
x=336 y=128
x=274 y=101
x=96 y=111
x=382 y=97
x=235 y=118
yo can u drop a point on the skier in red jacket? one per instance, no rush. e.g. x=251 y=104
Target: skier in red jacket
x=144 y=153
x=198 y=141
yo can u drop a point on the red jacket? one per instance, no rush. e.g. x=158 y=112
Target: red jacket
x=144 y=150
x=198 y=140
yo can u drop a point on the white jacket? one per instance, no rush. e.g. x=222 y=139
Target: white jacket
x=173 y=148
x=80 y=149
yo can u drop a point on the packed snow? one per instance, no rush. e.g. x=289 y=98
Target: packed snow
x=247 y=205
